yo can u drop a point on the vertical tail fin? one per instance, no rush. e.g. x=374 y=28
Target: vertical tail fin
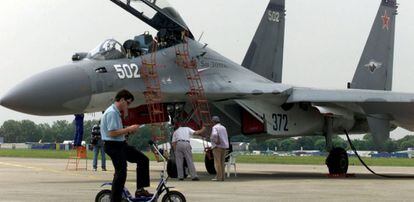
x=265 y=54
x=375 y=67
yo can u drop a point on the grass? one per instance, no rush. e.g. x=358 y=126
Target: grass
x=293 y=160
x=33 y=153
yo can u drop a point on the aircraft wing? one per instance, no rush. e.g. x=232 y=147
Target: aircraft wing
x=399 y=107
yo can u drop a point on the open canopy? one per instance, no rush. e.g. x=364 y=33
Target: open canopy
x=156 y=13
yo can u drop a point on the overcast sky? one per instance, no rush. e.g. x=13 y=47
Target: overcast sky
x=324 y=38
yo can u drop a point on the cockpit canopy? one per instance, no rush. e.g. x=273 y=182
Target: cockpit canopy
x=157 y=13
x=110 y=49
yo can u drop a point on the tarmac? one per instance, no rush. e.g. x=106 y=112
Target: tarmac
x=24 y=179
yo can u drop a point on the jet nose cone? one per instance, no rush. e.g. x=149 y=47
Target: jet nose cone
x=59 y=91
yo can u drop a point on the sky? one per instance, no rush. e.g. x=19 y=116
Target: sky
x=323 y=39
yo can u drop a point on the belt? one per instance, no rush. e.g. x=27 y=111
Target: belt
x=183 y=141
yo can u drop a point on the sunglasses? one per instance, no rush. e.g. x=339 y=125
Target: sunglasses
x=128 y=102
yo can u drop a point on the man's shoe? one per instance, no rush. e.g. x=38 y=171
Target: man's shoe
x=103 y=169
x=142 y=193
x=95 y=169
x=195 y=179
x=181 y=179
x=214 y=179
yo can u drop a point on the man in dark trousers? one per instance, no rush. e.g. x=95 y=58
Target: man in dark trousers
x=113 y=133
x=97 y=143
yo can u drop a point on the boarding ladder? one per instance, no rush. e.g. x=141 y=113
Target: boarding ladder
x=153 y=99
x=75 y=158
x=196 y=92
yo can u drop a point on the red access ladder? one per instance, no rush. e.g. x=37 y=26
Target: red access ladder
x=196 y=92
x=153 y=98
x=75 y=159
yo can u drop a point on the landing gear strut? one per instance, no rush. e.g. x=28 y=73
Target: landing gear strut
x=337 y=160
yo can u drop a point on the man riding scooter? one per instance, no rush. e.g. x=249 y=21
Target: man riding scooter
x=113 y=134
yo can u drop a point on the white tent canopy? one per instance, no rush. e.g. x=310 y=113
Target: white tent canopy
x=196 y=145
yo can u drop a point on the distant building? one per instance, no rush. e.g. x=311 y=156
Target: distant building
x=256 y=152
x=362 y=153
x=1 y=140
x=381 y=155
x=409 y=153
x=308 y=153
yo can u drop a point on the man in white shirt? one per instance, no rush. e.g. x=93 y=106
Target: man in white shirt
x=182 y=148
x=220 y=144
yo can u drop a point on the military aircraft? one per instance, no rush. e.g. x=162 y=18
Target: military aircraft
x=249 y=98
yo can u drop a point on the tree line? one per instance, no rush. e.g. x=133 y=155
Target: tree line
x=28 y=131
x=318 y=143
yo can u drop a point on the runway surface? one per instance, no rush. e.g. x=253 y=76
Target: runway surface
x=24 y=179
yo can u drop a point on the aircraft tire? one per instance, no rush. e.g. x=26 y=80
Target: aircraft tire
x=209 y=163
x=172 y=169
x=337 y=161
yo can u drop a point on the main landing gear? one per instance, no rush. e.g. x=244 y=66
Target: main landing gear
x=337 y=160
x=209 y=161
x=172 y=166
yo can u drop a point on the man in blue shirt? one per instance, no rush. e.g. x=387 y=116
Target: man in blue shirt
x=113 y=134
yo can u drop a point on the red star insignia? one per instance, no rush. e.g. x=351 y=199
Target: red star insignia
x=385 y=21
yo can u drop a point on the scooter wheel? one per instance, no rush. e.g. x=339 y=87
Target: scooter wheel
x=173 y=196
x=103 y=196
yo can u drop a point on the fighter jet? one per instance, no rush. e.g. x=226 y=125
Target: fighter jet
x=249 y=97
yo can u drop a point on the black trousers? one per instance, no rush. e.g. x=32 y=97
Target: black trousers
x=120 y=153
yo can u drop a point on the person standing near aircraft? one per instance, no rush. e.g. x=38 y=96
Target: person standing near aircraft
x=113 y=133
x=97 y=143
x=220 y=144
x=182 y=148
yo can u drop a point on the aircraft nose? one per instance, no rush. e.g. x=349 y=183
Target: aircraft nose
x=59 y=91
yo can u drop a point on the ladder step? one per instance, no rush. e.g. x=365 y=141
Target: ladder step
x=148 y=64
x=181 y=53
x=156 y=100
x=149 y=75
x=157 y=112
x=193 y=77
x=202 y=101
x=152 y=91
x=189 y=66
